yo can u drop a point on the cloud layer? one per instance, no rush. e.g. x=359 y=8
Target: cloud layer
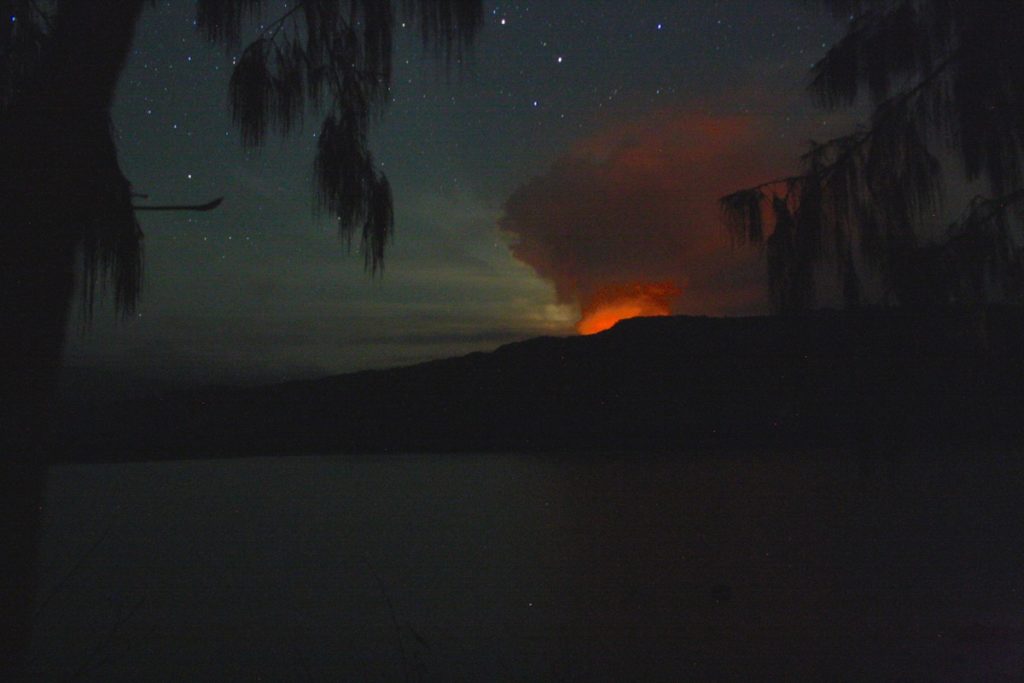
x=638 y=203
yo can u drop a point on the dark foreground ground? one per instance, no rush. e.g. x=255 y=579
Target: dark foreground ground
x=875 y=379
x=818 y=565
x=832 y=497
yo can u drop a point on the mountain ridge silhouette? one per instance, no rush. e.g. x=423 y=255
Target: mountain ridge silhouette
x=648 y=384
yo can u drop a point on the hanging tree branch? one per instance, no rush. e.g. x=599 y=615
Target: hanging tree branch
x=874 y=190
x=326 y=58
x=336 y=59
x=208 y=206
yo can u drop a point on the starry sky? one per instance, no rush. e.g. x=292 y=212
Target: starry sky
x=581 y=147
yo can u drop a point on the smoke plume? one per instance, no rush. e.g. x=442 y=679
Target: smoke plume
x=629 y=218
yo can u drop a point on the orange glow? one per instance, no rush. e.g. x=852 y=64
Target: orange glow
x=613 y=303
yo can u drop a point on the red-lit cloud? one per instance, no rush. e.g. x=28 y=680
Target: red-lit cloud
x=637 y=205
x=612 y=303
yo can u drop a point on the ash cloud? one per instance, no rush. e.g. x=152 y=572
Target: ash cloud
x=638 y=203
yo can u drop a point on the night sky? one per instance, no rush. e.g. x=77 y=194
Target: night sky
x=577 y=155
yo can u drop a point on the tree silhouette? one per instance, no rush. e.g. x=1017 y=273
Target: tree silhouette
x=946 y=80
x=62 y=193
x=65 y=204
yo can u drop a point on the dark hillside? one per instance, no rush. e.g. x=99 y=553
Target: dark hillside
x=653 y=383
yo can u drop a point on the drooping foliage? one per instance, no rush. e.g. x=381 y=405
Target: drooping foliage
x=331 y=58
x=335 y=57
x=61 y=175
x=946 y=80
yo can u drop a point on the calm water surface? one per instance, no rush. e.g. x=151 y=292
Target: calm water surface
x=530 y=568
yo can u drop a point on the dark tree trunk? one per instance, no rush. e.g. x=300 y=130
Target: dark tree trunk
x=58 y=162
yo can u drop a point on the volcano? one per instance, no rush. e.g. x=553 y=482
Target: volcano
x=615 y=303
x=647 y=384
